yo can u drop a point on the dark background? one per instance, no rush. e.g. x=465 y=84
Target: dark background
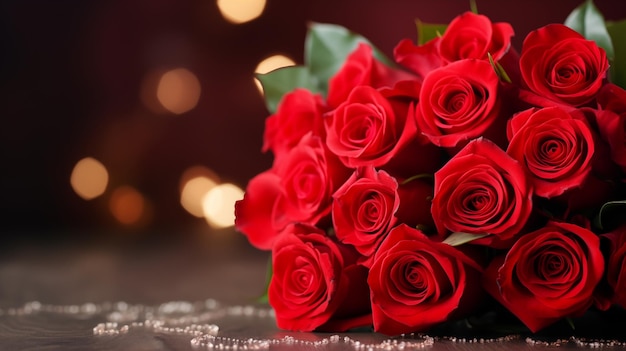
x=70 y=79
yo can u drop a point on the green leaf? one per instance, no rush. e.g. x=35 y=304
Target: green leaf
x=473 y=6
x=427 y=176
x=617 y=30
x=499 y=69
x=326 y=48
x=263 y=298
x=268 y=278
x=571 y=324
x=587 y=20
x=428 y=31
x=460 y=238
x=283 y=80
x=603 y=218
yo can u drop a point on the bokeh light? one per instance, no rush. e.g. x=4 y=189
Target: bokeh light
x=178 y=90
x=195 y=183
x=240 y=11
x=148 y=91
x=89 y=178
x=219 y=205
x=127 y=205
x=269 y=64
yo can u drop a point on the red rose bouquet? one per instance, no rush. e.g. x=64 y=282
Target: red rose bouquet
x=460 y=175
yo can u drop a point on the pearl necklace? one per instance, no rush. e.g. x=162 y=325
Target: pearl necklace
x=197 y=320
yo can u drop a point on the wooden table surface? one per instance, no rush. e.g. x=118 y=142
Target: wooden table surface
x=221 y=267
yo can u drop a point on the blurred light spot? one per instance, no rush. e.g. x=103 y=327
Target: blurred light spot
x=127 y=205
x=273 y=62
x=89 y=178
x=219 y=205
x=241 y=11
x=148 y=92
x=269 y=64
x=178 y=90
x=193 y=192
x=196 y=182
x=195 y=172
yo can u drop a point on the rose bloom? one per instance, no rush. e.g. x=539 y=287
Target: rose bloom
x=458 y=102
x=560 y=67
x=468 y=36
x=299 y=113
x=373 y=128
x=362 y=68
x=548 y=274
x=473 y=36
x=316 y=283
x=555 y=146
x=616 y=267
x=482 y=190
x=256 y=215
x=612 y=121
x=416 y=283
x=371 y=202
x=298 y=188
x=421 y=59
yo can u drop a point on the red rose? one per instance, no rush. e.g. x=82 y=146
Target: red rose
x=548 y=274
x=555 y=147
x=612 y=121
x=468 y=36
x=256 y=215
x=616 y=267
x=369 y=129
x=418 y=59
x=559 y=66
x=316 y=283
x=371 y=202
x=299 y=113
x=458 y=102
x=416 y=283
x=299 y=188
x=482 y=190
x=361 y=68
x=309 y=175
x=473 y=36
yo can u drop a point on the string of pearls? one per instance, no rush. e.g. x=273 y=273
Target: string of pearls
x=502 y=339
x=225 y=343
x=176 y=317
x=579 y=342
x=197 y=321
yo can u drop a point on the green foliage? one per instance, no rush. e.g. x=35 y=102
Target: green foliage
x=425 y=176
x=283 y=80
x=617 y=30
x=268 y=278
x=587 y=20
x=326 y=48
x=473 y=6
x=604 y=218
x=460 y=238
x=499 y=69
x=428 y=31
